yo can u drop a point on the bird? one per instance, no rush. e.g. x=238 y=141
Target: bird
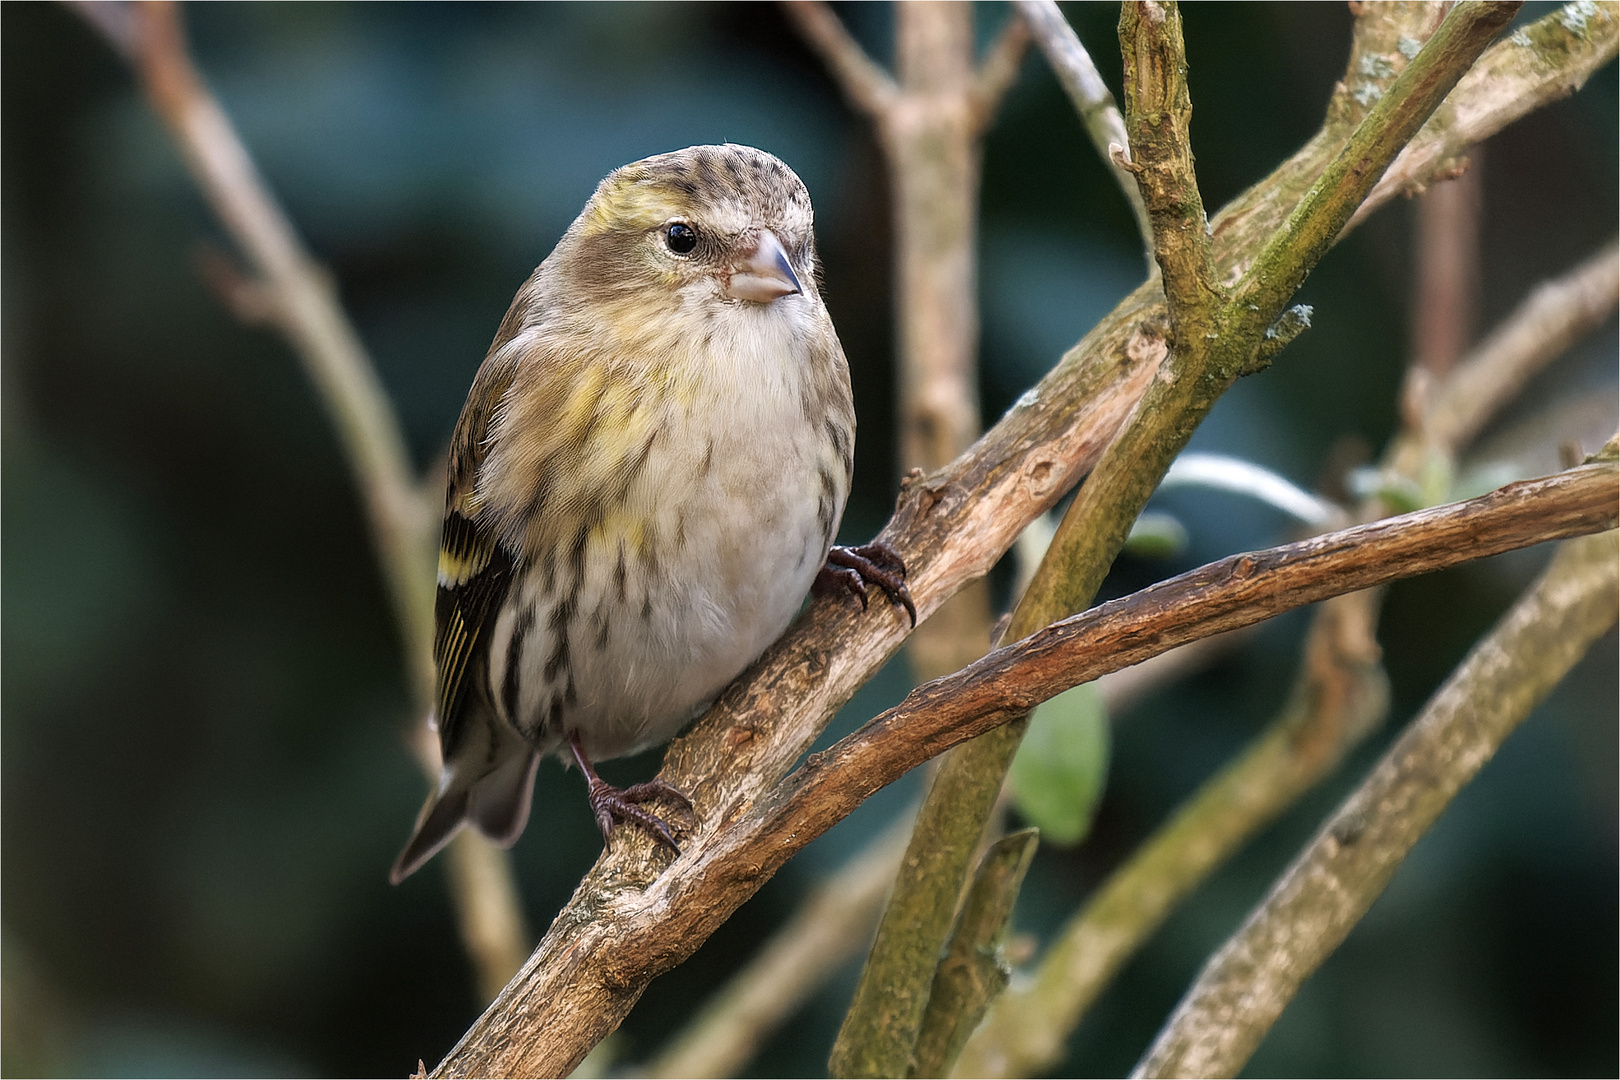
x=644 y=483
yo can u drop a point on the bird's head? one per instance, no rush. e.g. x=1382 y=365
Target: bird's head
x=727 y=223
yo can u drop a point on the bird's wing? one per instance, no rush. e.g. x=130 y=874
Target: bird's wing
x=475 y=569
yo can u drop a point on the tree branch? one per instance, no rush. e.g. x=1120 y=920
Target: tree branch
x=973 y=972
x=867 y=86
x=1397 y=116
x=290 y=290
x=881 y=1029
x=931 y=139
x=1158 y=112
x=950 y=527
x=304 y=306
x=1546 y=323
x=1537 y=64
x=840 y=914
x=1339 y=698
x=1246 y=985
x=1214 y=339
x=1091 y=98
x=998 y=71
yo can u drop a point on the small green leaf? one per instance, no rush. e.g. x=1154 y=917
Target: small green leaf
x=1058 y=773
x=1156 y=535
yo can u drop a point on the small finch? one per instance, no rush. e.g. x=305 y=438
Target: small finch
x=645 y=480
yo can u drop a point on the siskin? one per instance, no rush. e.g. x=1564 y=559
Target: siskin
x=645 y=480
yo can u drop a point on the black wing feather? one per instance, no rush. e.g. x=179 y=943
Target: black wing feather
x=464 y=613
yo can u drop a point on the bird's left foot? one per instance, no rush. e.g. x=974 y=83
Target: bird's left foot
x=853 y=568
x=610 y=804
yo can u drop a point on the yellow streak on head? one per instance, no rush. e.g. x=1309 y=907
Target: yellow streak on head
x=624 y=202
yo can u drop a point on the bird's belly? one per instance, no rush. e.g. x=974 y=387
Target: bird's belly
x=678 y=591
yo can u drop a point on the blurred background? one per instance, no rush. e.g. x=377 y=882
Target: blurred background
x=202 y=760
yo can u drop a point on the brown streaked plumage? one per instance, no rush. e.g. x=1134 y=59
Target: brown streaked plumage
x=645 y=480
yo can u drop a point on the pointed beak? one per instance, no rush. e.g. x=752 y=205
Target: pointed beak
x=763 y=274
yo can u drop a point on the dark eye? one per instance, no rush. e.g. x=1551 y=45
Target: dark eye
x=681 y=238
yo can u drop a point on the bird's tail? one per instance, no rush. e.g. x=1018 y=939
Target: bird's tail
x=487 y=781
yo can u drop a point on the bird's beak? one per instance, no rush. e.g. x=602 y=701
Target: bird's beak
x=763 y=274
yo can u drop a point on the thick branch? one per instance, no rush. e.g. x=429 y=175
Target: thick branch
x=1091 y=98
x=1537 y=64
x=880 y=1031
x=839 y=916
x=931 y=138
x=1214 y=341
x=1246 y=985
x=950 y=527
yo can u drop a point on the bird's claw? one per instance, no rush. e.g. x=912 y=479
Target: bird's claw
x=852 y=568
x=610 y=804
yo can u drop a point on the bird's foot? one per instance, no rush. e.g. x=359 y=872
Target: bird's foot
x=853 y=568
x=611 y=804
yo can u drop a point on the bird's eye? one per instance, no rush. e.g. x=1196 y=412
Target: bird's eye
x=680 y=237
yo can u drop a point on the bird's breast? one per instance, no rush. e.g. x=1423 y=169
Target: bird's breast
x=710 y=550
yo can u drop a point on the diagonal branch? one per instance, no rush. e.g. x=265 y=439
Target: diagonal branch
x=1245 y=986
x=822 y=935
x=997 y=72
x=303 y=304
x=1552 y=318
x=1214 y=338
x=1558 y=53
x=868 y=87
x=1340 y=698
x=293 y=292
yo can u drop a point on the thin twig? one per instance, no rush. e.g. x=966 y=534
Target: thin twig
x=304 y=305
x=1092 y=99
x=998 y=71
x=868 y=87
x=1245 y=986
x=1446 y=292
x=294 y=293
x=1552 y=318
